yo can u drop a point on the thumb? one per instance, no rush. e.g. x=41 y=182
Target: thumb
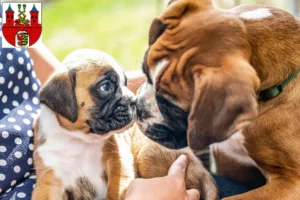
x=179 y=166
x=193 y=194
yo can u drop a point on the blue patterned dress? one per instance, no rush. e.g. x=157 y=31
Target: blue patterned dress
x=19 y=106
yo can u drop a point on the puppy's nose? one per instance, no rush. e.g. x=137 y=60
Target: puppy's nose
x=129 y=100
x=126 y=98
x=133 y=102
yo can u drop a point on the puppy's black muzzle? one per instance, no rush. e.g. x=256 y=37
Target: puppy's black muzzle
x=114 y=115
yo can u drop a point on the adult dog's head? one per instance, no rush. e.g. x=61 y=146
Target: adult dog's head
x=88 y=94
x=200 y=86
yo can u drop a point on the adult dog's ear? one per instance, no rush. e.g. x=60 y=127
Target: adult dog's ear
x=171 y=1
x=224 y=102
x=157 y=28
x=178 y=8
x=59 y=95
x=170 y=17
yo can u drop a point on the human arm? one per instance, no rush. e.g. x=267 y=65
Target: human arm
x=44 y=60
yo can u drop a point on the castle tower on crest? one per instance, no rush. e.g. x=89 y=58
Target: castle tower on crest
x=10 y=16
x=34 y=19
x=26 y=29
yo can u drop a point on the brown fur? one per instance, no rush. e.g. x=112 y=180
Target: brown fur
x=119 y=172
x=84 y=79
x=231 y=161
x=125 y=156
x=149 y=160
x=222 y=61
x=83 y=190
x=47 y=185
x=150 y=152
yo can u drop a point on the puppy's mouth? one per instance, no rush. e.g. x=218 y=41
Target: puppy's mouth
x=121 y=116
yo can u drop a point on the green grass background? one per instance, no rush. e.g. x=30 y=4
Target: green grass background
x=118 y=27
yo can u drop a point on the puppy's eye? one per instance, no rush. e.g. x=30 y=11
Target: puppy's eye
x=107 y=86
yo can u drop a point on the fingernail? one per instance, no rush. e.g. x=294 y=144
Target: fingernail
x=183 y=157
x=187 y=158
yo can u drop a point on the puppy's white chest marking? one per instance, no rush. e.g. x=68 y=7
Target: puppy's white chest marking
x=71 y=158
x=257 y=14
x=75 y=161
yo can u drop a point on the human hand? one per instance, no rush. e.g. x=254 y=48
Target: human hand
x=170 y=187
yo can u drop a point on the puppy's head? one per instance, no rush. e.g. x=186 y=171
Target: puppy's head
x=201 y=87
x=89 y=94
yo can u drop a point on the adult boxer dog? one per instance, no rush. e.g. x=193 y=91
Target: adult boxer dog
x=77 y=156
x=212 y=73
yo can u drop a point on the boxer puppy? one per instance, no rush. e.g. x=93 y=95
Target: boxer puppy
x=206 y=69
x=77 y=155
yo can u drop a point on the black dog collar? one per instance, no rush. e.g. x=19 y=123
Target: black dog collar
x=273 y=92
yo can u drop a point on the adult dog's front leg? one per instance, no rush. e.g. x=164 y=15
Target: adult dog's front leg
x=276 y=189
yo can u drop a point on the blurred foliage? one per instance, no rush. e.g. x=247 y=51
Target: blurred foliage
x=118 y=27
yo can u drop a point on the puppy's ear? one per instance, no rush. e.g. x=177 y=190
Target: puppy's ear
x=59 y=95
x=224 y=102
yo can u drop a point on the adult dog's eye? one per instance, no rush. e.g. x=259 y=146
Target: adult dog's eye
x=106 y=86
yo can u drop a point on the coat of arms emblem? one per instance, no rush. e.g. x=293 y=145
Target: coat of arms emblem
x=21 y=24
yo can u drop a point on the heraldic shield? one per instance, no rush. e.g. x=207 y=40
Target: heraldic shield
x=22 y=23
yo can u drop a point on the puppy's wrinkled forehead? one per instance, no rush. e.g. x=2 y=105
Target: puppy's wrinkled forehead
x=90 y=64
